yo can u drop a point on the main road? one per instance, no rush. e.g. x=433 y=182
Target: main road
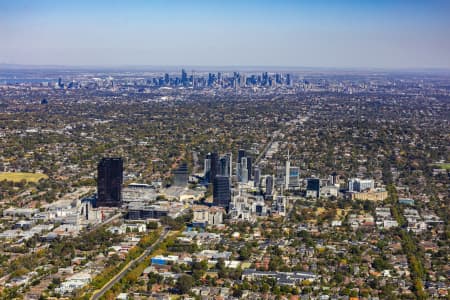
x=99 y=293
x=275 y=134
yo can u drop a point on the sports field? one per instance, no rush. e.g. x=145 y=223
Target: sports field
x=19 y=176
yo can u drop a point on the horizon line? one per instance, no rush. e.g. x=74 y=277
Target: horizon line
x=221 y=67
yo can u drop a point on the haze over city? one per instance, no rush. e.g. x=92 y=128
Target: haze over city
x=335 y=34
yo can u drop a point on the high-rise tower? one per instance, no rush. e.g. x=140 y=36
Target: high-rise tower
x=222 y=191
x=288 y=172
x=109 y=182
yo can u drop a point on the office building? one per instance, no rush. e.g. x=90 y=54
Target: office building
x=280 y=175
x=244 y=167
x=225 y=163
x=249 y=167
x=166 y=79
x=334 y=179
x=279 y=205
x=243 y=171
x=109 y=182
x=211 y=166
x=329 y=191
x=287 y=174
x=222 y=191
x=204 y=215
x=207 y=169
x=379 y=194
x=257 y=176
x=184 y=79
x=241 y=154
x=288 y=80
x=294 y=181
x=313 y=187
x=360 y=185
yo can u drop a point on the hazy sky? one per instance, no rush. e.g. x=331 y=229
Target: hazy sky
x=316 y=33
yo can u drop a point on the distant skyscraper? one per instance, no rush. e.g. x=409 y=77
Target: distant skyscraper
x=288 y=80
x=184 y=79
x=221 y=191
x=219 y=78
x=181 y=175
x=243 y=80
x=211 y=79
x=166 y=79
x=109 y=182
x=265 y=78
x=278 y=78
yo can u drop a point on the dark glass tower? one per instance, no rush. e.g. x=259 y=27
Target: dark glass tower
x=214 y=170
x=184 y=79
x=241 y=154
x=257 y=176
x=313 y=184
x=249 y=168
x=109 y=182
x=222 y=191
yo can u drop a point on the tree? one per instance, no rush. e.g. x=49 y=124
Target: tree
x=244 y=253
x=184 y=283
x=152 y=225
x=154 y=278
x=237 y=292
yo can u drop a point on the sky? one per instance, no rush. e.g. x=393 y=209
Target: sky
x=388 y=34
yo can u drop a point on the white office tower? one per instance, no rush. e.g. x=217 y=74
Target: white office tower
x=360 y=185
x=288 y=173
x=333 y=179
x=207 y=166
x=229 y=156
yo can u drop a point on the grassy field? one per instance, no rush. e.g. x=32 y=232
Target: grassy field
x=19 y=176
x=443 y=166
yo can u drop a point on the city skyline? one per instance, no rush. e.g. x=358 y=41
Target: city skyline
x=290 y=34
x=112 y=179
